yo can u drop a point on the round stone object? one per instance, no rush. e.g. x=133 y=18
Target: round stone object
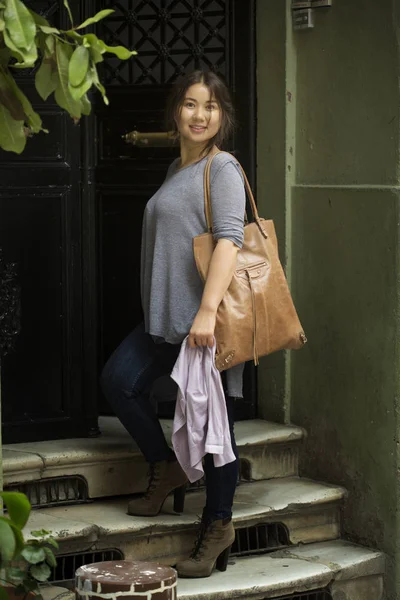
x=125 y=580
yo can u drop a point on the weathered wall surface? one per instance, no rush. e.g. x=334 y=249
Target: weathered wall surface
x=343 y=254
x=272 y=58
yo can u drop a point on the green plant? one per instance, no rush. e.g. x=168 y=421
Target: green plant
x=23 y=564
x=68 y=62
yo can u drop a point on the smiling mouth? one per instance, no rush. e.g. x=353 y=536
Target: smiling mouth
x=197 y=128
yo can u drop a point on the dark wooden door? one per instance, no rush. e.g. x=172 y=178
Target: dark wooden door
x=171 y=37
x=71 y=205
x=41 y=231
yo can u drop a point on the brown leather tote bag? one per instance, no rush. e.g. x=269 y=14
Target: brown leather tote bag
x=256 y=316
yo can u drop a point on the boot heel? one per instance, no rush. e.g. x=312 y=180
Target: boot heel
x=222 y=560
x=179 y=499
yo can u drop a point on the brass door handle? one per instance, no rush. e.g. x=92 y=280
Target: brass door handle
x=156 y=139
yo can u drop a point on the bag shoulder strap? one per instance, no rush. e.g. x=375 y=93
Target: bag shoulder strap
x=207 y=192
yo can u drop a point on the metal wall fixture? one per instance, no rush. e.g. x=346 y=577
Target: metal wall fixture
x=154 y=139
x=304 y=14
x=300 y=4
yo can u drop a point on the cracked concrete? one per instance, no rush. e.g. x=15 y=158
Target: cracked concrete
x=276 y=574
x=269 y=450
x=345 y=559
x=309 y=510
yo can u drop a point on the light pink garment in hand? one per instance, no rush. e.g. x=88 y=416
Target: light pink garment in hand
x=201 y=423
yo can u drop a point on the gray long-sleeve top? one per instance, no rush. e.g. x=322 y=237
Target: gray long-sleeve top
x=170 y=284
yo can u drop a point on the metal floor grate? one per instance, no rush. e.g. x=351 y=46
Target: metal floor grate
x=67 y=564
x=315 y=595
x=55 y=491
x=260 y=539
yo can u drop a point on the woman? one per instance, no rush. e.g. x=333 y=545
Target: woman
x=176 y=303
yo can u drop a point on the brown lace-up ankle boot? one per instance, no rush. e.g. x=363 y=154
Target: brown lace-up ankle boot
x=211 y=549
x=164 y=477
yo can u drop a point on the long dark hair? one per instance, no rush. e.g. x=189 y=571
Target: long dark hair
x=218 y=91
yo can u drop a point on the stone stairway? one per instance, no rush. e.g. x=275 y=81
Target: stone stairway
x=287 y=527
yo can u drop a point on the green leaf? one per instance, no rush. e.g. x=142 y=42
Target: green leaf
x=39 y=20
x=12 y=132
x=46 y=79
x=15 y=574
x=29 y=59
x=120 y=51
x=50 y=558
x=96 y=47
x=2 y=24
x=26 y=58
x=40 y=533
x=98 y=17
x=98 y=84
x=50 y=47
x=79 y=91
x=72 y=33
x=49 y=30
x=7 y=539
x=33 y=554
x=17 y=504
x=19 y=538
x=101 y=47
x=20 y=24
x=3 y=594
x=52 y=542
x=62 y=94
x=69 y=12
x=86 y=105
x=40 y=572
x=10 y=44
x=7 y=96
x=95 y=55
x=78 y=66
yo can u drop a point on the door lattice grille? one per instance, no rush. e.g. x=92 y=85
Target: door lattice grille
x=55 y=491
x=260 y=539
x=171 y=37
x=47 y=9
x=67 y=564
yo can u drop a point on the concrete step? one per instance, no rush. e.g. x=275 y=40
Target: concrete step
x=75 y=470
x=269 y=514
x=344 y=571
x=52 y=592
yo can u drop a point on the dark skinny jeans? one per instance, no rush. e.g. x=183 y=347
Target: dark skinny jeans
x=126 y=383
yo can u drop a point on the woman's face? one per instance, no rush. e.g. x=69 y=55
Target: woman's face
x=200 y=117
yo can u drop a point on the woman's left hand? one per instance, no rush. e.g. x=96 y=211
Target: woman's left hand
x=202 y=330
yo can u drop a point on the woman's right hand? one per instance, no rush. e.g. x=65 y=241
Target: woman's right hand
x=203 y=327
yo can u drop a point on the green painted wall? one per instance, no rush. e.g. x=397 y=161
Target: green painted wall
x=341 y=247
x=271 y=172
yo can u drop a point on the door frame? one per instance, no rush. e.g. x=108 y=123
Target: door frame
x=243 y=42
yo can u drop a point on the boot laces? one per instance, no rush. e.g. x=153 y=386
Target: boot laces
x=154 y=478
x=200 y=543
